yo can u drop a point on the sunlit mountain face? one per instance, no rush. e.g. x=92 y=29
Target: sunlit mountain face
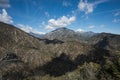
x=43 y=16
x=59 y=39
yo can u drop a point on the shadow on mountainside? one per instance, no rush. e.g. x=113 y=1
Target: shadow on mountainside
x=58 y=66
x=62 y=64
x=54 y=41
x=97 y=56
x=102 y=43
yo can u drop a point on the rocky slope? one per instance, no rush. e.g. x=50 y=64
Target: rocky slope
x=33 y=51
x=66 y=34
x=106 y=41
x=23 y=56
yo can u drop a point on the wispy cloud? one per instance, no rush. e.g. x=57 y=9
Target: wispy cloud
x=91 y=26
x=106 y=11
x=102 y=26
x=66 y=3
x=47 y=14
x=28 y=29
x=4 y=17
x=4 y=4
x=87 y=7
x=117 y=13
x=116 y=17
x=99 y=2
x=116 y=20
x=60 y=22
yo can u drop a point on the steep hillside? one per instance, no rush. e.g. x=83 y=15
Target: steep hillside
x=33 y=50
x=24 y=57
x=16 y=41
x=106 y=41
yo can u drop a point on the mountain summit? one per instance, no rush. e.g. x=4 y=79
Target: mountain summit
x=61 y=34
x=66 y=34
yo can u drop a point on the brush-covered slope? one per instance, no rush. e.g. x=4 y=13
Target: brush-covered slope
x=24 y=57
x=106 y=41
x=36 y=51
x=16 y=41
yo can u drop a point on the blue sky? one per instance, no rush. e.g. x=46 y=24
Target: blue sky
x=42 y=16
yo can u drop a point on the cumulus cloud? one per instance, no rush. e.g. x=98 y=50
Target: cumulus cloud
x=87 y=7
x=60 y=22
x=4 y=4
x=91 y=26
x=28 y=29
x=4 y=17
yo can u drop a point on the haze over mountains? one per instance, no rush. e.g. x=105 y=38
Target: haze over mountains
x=62 y=54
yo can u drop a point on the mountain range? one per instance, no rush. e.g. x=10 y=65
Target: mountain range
x=62 y=54
x=66 y=34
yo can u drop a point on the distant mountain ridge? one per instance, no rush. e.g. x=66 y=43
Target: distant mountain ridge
x=36 y=35
x=66 y=34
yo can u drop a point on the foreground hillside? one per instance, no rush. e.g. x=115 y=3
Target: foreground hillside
x=24 y=57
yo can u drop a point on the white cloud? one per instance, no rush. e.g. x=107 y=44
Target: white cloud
x=92 y=26
x=116 y=20
x=4 y=17
x=87 y=7
x=80 y=30
x=28 y=29
x=100 y=1
x=4 y=4
x=60 y=22
x=49 y=27
x=117 y=14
